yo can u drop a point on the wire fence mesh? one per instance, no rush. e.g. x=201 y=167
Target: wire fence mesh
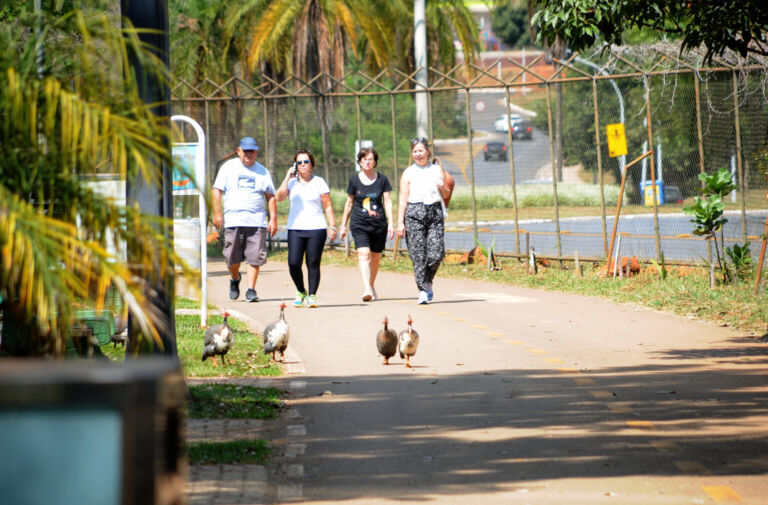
x=526 y=143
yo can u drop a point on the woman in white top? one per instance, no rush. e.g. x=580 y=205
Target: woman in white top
x=307 y=228
x=420 y=215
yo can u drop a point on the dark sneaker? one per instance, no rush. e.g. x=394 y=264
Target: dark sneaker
x=234 y=288
x=251 y=296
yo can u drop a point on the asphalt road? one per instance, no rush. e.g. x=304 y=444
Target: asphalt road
x=516 y=396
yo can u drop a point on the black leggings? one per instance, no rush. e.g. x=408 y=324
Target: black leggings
x=311 y=243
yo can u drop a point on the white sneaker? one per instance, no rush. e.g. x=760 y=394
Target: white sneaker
x=423 y=298
x=367 y=295
x=373 y=292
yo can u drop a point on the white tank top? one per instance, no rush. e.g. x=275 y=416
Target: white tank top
x=423 y=184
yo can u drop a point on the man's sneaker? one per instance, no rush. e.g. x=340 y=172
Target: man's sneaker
x=430 y=293
x=251 y=296
x=311 y=301
x=367 y=295
x=299 y=300
x=423 y=298
x=234 y=288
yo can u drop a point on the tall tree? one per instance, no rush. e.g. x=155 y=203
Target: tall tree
x=61 y=239
x=739 y=25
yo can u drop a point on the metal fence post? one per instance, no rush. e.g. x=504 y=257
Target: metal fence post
x=512 y=171
x=554 y=172
x=653 y=168
x=739 y=162
x=599 y=166
x=700 y=139
x=471 y=163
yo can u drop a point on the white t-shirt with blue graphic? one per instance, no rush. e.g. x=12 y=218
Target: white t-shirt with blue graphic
x=243 y=190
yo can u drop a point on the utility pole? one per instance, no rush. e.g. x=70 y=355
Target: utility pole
x=420 y=56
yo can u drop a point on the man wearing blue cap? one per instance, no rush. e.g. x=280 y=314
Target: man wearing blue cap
x=245 y=184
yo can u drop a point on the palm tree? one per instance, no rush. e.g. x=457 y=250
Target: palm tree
x=60 y=238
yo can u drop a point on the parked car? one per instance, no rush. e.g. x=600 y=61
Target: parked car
x=502 y=124
x=495 y=151
x=522 y=130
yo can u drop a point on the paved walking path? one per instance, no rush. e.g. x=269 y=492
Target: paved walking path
x=516 y=396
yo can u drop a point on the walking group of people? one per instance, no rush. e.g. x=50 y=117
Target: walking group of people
x=245 y=205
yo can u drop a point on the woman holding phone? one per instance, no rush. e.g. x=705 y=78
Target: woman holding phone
x=423 y=189
x=309 y=196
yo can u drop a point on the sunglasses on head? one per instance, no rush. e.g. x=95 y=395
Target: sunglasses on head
x=303 y=162
x=421 y=140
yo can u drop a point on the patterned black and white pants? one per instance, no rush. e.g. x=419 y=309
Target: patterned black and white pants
x=424 y=233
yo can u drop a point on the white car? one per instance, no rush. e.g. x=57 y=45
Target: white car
x=502 y=124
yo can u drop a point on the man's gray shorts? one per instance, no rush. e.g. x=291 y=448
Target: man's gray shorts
x=247 y=244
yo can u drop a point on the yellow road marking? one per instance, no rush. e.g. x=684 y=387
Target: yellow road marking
x=536 y=351
x=515 y=342
x=442 y=313
x=459 y=319
x=619 y=409
x=641 y=425
x=601 y=395
x=665 y=445
x=480 y=326
x=722 y=493
x=583 y=381
x=567 y=370
x=495 y=334
x=692 y=468
x=554 y=361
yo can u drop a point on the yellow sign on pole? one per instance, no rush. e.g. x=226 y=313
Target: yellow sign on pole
x=617 y=140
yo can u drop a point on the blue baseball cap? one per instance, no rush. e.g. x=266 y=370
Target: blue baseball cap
x=248 y=144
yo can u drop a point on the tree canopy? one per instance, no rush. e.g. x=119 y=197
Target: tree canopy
x=510 y=23
x=738 y=25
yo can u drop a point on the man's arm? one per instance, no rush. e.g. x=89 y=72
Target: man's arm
x=218 y=217
x=272 y=206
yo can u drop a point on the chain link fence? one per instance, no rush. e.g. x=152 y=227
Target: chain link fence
x=526 y=141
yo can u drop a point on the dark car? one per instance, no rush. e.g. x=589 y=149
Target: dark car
x=522 y=130
x=495 y=151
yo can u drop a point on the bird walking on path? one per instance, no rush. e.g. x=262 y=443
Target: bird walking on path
x=386 y=341
x=408 y=342
x=219 y=339
x=276 y=336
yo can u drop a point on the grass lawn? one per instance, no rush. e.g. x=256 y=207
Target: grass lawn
x=246 y=359
x=230 y=401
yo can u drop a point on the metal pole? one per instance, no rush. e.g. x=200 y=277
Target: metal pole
x=471 y=164
x=600 y=166
x=554 y=172
x=512 y=171
x=420 y=57
x=653 y=168
x=396 y=181
x=739 y=163
x=295 y=124
x=266 y=129
x=700 y=139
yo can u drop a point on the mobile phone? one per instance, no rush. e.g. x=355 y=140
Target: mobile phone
x=294 y=170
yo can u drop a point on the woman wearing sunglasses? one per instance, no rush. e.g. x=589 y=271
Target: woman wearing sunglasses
x=307 y=228
x=420 y=214
x=369 y=204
